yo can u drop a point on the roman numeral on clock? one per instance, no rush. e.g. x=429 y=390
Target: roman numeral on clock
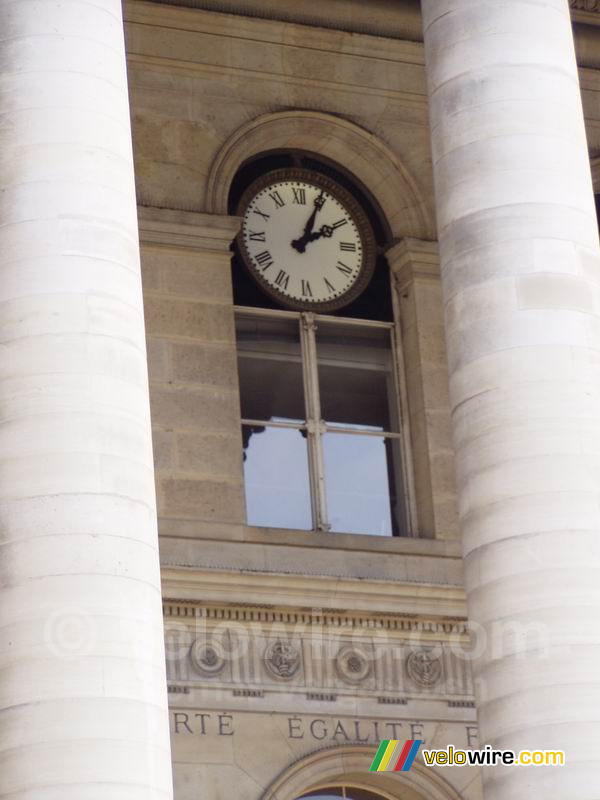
x=306 y=290
x=339 y=223
x=277 y=199
x=350 y=247
x=264 y=259
x=282 y=279
x=299 y=196
x=344 y=268
x=256 y=237
x=330 y=286
x=261 y=213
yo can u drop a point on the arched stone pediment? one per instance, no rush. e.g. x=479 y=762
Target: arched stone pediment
x=356 y=150
x=350 y=766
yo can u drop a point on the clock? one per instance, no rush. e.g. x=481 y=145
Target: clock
x=305 y=240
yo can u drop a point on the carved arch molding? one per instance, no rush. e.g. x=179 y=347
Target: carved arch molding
x=350 y=766
x=361 y=153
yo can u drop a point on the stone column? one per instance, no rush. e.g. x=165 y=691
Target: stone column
x=521 y=284
x=82 y=679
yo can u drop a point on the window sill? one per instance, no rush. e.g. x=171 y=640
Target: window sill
x=353 y=541
x=224 y=532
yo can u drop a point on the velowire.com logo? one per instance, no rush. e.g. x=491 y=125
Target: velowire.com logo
x=395 y=756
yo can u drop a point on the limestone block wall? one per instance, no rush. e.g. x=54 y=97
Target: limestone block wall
x=196 y=77
x=192 y=366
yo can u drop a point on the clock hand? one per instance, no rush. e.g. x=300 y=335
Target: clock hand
x=325 y=231
x=307 y=236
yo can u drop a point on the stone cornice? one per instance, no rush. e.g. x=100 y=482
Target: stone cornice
x=265 y=29
x=219 y=587
x=323 y=618
x=358 y=17
x=585 y=14
x=375 y=18
x=204 y=232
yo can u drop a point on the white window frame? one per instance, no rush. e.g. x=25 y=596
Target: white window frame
x=316 y=427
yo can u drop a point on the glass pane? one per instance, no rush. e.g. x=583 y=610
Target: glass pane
x=270 y=369
x=276 y=477
x=356 y=378
x=323 y=794
x=335 y=794
x=363 y=495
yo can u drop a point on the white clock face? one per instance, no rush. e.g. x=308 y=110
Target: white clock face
x=302 y=240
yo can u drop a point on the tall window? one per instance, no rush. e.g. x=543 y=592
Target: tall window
x=321 y=424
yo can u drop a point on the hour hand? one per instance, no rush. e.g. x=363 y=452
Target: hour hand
x=325 y=231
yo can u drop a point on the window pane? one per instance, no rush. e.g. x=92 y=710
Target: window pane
x=363 y=495
x=356 y=378
x=270 y=369
x=276 y=477
x=323 y=794
x=334 y=794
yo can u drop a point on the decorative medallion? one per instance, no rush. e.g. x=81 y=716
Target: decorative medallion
x=424 y=668
x=282 y=659
x=352 y=664
x=208 y=658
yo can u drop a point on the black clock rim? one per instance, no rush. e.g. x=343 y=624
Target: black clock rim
x=354 y=208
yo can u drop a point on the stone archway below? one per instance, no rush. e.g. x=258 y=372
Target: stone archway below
x=350 y=766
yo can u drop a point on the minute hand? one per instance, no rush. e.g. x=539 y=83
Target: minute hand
x=308 y=235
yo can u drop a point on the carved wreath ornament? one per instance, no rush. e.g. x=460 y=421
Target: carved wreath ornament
x=352 y=664
x=207 y=658
x=424 y=668
x=282 y=659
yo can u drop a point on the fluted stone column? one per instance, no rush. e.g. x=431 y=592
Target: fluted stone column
x=521 y=283
x=82 y=681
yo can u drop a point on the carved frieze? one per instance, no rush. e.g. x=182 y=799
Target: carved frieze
x=585 y=5
x=262 y=651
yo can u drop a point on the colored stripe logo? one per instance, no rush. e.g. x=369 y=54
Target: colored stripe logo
x=395 y=756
